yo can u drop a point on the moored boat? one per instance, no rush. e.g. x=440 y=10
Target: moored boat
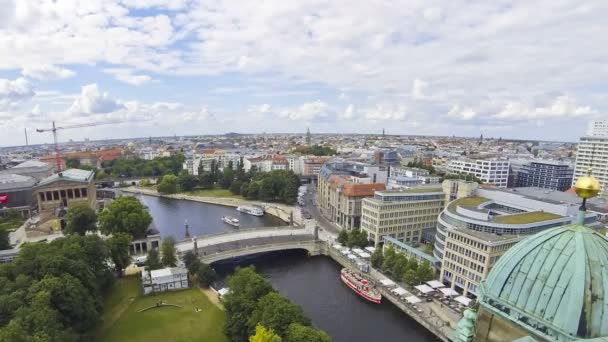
x=255 y=211
x=360 y=285
x=231 y=220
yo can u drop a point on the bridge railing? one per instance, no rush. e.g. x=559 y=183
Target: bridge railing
x=294 y=244
x=265 y=229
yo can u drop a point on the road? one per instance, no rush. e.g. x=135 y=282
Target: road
x=310 y=206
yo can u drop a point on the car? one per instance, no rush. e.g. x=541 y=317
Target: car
x=140 y=260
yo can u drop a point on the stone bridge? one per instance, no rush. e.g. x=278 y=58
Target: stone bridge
x=222 y=246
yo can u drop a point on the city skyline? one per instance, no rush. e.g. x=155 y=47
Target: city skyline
x=186 y=68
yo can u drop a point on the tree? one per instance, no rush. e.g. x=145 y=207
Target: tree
x=125 y=215
x=263 y=334
x=400 y=266
x=253 y=190
x=425 y=272
x=389 y=259
x=290 y=192
x=5 y=241
x=377 y=258
x=266 y=192
x=227 y=178
x=187 y=182
x=236 y=186
x=168 y=185
x=205 y=274
x=153 y=260
x=246 y=288
x=357 y=238
x=72 y=163
x=277 y=312
x=118 y=244
x=191 y=261
x=80 y=219
x=343 y=237
x=167 y=248
x=410 y=277
x=206 y=180
x=244 y=189
x=300 y=333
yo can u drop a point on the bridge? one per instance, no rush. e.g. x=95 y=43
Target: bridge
x=228 y=245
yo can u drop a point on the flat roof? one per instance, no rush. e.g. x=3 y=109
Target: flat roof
x=487 y=237
x=529 y=217
x=71 y=175
x=33 y=163
x=167 y=272
x=11 y=181
x=468 y=202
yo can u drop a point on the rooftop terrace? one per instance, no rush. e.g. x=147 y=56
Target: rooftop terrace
x=530 y=217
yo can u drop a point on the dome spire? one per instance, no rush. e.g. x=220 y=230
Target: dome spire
x=586 y=187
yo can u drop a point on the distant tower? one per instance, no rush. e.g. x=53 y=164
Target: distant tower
x=26 y=142
x=383 y=132
x=481 y=139
x=308 y=137
x=150 y=140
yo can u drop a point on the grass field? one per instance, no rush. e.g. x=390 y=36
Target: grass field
x=11 y=225
x=122 y=322
x=214 y=193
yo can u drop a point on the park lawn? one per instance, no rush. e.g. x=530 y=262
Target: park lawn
x=122 y=322
x=225 y=193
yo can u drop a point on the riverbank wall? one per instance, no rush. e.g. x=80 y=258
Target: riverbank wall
x=442 y=332
x=283 y=212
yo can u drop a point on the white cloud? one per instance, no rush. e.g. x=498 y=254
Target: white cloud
x=93 y=101
x=199 y=115
x=461 y=113
x=306 y=111
x=128 y=76
x=561 y=107
x=348 y=113
x=14 y=91
x=419 y=89
x=386 y=112
x=259 y=111
x=46 y=72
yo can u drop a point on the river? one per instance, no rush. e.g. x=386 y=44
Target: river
x=313 y=283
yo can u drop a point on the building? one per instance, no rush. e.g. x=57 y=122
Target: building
x=166 y=279
x=147 y=243
x=312 y=165
x=592 y=152
x=64 y=189
x=266 y=163
x=31 y=168
x=598 y=128
x=95 y=158
x=342 y=186
x=456 y=188
x=489 y=171
x=409 y=250
x=401 y=214
x=549 y=287
x=16 y=192
x=545 y=174
x=474 y=232
x=406 y=177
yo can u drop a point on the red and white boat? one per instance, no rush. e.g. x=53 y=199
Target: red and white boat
x=360 y=285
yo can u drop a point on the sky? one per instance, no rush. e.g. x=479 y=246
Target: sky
x=514 y=69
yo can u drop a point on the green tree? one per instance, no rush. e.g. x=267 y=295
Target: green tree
x=377 y=258
x=5 y=241
x=227 y=178
x=168 y=185
x=266 y=192
x=187 y=182
x=300 y=333
x=277 y=312
x=205 y=274
x=236 y=186
x=118 y=244
x=253 y=190
x=244 y=189
x=206 y=180
x=167 y=249
x=343 y=237
x=125 y=215
x=290 y=192
x=72 y=163
x=153 y=260
x=263 y=334
x=410 y=277
x=80 y=219
x=246 y=288
x=400 y=266
x=425 y=272
x=357 y=238
x=389 y=259
x=191 y=261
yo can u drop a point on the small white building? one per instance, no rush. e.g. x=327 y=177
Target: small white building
x=166 y=279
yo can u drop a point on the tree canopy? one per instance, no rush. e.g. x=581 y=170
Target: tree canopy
x=153 y=260
x=262 y=334
x=125 y=215
x=301 y=333
x=167 y=249
x=118 y=245
x=80 y=219
x=318 y=150
x=168 y=184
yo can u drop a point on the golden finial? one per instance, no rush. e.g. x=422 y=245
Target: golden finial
x=587 y=186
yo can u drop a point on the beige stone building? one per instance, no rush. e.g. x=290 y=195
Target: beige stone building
x=64 y=189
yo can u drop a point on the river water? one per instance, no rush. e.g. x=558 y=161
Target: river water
x=311 y=282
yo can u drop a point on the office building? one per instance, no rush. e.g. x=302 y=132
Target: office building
x=401 y=214
x=598 y=128
x=474 y=232
x=16 y=192
x=489 y=171
x=546 y=174
x=406 y=177
x=592 y=152
x=342 y=186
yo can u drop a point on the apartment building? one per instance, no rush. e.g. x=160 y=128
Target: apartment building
x=341 y=188
x=473 y=232
x=592 y=153
x=312 y=165
x=266 y=163
x=406 y=177
x=490 y=171
x=546 y=174
x=598 y=128
x=401 y=214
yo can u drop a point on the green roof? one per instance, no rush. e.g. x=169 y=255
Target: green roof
x=529 y=217
x=554 y=284
x=467 y=202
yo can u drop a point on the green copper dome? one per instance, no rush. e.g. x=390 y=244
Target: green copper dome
x=554 y=284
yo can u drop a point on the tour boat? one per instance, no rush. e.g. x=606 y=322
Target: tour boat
x=255 y=211
x=231 y=220
x=360 y=285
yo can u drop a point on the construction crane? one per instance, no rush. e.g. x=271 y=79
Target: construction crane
x=54 y=129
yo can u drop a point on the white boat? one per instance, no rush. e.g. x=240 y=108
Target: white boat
x=255 y=211
x=231 y=220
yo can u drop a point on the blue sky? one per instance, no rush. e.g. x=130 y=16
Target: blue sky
x=533 y=69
